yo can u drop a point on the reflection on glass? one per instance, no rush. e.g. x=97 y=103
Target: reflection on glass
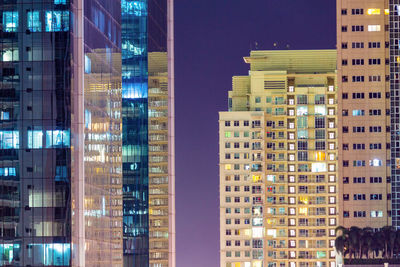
x=10 y=21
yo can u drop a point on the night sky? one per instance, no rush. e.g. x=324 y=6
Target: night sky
x=211 y=38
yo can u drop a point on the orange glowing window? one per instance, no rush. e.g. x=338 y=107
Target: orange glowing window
x=256 y=178
x=320 y=156
x=373 y=11
x=303 y=211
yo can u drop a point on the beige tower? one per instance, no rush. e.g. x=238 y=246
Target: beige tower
x=364 y=112
x=278 y=162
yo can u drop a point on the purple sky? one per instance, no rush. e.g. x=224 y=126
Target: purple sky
x=211 y=37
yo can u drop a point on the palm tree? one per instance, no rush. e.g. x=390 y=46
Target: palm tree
x=366 y=241
x=354 y=241
x=342 y=241
x=390 y=238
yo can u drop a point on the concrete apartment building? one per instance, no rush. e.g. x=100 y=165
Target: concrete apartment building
x=364 y=113
x=278 y=162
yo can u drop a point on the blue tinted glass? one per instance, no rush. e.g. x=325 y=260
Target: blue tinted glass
x=9 y=139
x=8 y=252
x=35 y=139
x=60 y=2
x=57 y=21
x=57 y=138
x=137 y=8
x=10 y=21
x=34 y=23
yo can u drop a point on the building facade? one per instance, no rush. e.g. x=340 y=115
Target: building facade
x=278 y=162
x=364 y=113
x=60 y=133
x=148 y=133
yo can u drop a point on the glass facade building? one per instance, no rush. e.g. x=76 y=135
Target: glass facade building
x=60 y=133
x=148 y=133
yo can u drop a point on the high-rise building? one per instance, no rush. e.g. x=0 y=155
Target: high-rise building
x=148 y=133
x=60 y=133
x=278 y=162
x=394 y=61
x=364 y=113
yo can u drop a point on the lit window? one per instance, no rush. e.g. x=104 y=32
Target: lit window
x=136 y=8
x=373 y=11
x=374 y=28
x=228 y=134
x=10 y=55
x=57 y=138
x=375 y=163
x=257 y=232
x=60 y=2
x=386 y=11
x=10 y=21
x=35 y=139
x=57 y=21
x=34 y=23
x=9 y=139
x=318 y=167
x=8 y=171
x=228 y=166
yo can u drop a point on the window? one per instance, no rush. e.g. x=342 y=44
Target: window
x=57 y=21
x=258 y=99
x=236 y=123
x=357 y=129
x=359 y=197
x=359 y=180
x=344 y=11
x=344 y=45
x=374 y=45
x=374 y=61
x=320 y=145
x=375 y=180
x=358 y=112
x=10 y=21
x=373 y=95
x=375 y=129
x=358 y=95
x=35 y=139
x=227 y=123
x=9 y=139
x=60 y=138
x=358 y=163
x=357 y=62
x=245 y=123
x=344 y=29
x=373 y=11
x=375 y=146
x=358 y=79
x=359 y=214
x=374 y=78
x=319 y=122
x=34 y=23
x=375 y=196
x=345 y=163
x=358 y=146
x=345 y=79
x=345 y=96
x=344 y=62
x=376 y=213
x=357 y=45
x=357 y=11
x=374 y=28
x=357 y=28
x=375 y=163
x=374 y=112
x=227 y=156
